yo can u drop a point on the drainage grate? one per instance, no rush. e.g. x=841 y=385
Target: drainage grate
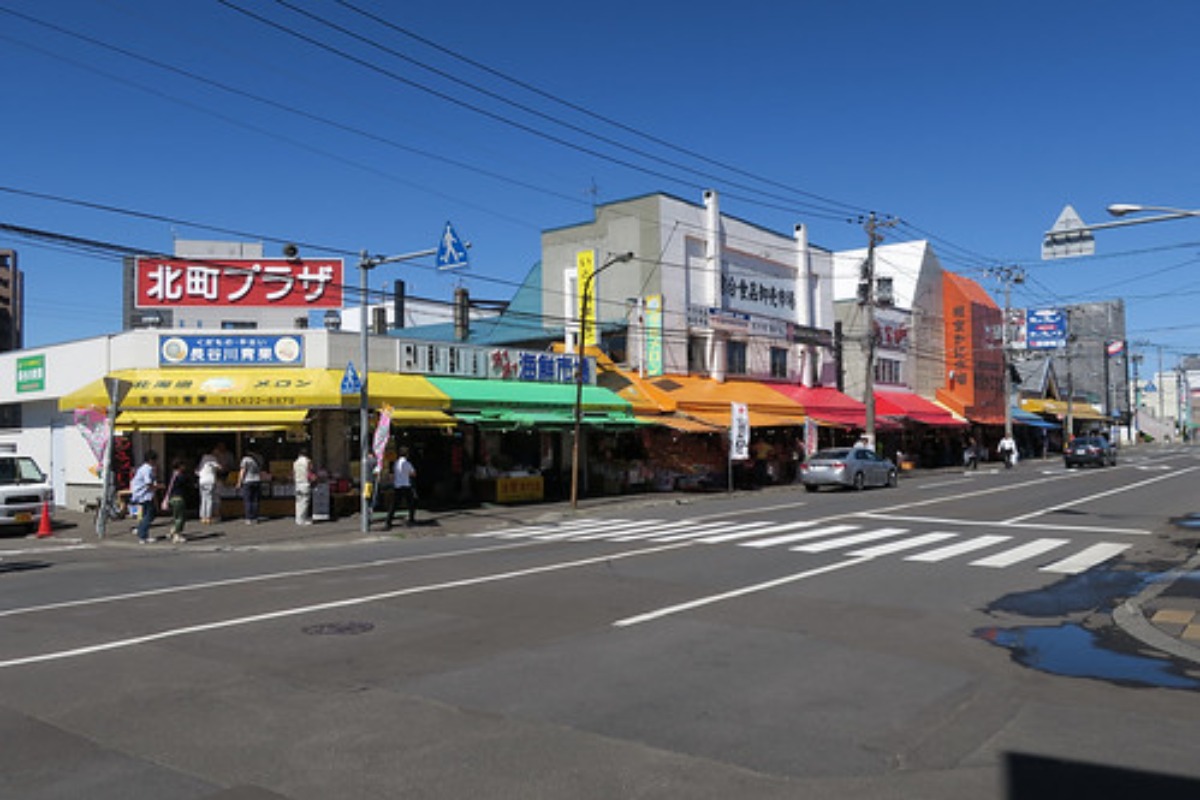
x=338 y=628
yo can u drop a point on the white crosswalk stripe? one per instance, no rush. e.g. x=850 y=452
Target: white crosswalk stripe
x=1087 y=558
x=1020 y=553
x=816 y=533
x=744 y=534
x=849 y=541
x=904 y=544
x=958 y=549
x=807 y=536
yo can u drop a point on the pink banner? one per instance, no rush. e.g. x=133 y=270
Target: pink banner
x=383 y=432
x=92 y=422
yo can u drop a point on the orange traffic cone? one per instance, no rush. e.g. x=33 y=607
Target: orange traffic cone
x=44 y=528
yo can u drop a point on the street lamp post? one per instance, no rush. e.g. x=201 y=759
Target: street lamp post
x=1008 y=276
x=366 y=263
x=1072 y=237
x=580 y=346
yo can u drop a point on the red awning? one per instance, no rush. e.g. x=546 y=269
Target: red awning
x=915 y=408
x=826 y=405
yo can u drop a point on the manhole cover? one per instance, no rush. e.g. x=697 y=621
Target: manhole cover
x=338 y=628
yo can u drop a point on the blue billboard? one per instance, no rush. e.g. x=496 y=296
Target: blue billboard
x=1045 y=328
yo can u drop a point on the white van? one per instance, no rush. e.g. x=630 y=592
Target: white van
x=24 y=488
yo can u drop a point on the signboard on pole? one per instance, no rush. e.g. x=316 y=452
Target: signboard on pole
x=1045 y=328
x=1068 y=238
x=451 y=253
x=739 y=432
x=654 y=335
x=585 y=268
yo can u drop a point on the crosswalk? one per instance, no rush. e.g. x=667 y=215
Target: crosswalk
x=989 y=550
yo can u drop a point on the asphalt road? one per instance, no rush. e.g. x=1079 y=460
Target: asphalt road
x=773 y=645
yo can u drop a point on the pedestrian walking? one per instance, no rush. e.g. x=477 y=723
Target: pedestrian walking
x=971 y=454
x=403 y=473
x=142 y=490
x=1008 y=451
x=207 y=473
x=302 y=476
x=249 y=483
x=175 y=500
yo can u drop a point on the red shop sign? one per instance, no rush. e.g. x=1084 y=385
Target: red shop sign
x=311 y=283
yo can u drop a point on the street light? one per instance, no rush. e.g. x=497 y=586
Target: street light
x=584 y=289
x=1166 y=212
x=365 y=264
x=1071 y=236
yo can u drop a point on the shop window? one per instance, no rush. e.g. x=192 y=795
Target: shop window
x=697 y=355
x=779 y=362
x=10 y=415
x=887 y=371
x=736 y=358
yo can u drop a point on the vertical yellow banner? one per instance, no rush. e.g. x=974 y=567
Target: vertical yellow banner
x=585 y=268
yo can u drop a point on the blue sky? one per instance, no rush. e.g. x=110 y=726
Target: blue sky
x=973 y=123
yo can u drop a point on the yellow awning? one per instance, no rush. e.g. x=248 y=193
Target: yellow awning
x=681 y=424
x=1039 y=405
x=207 y=420
x=204 y=388
x=422 y=418
x=758 y=419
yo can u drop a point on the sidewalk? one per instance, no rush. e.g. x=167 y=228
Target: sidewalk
x=1165 y=615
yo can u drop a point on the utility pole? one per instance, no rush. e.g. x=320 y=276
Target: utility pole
x=1008 y=276
x=866 y=297
x=1135 y=429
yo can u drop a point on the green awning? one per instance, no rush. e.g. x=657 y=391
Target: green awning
x=476 y=396
x=509 y=419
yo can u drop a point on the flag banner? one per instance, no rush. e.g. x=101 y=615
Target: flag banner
x=383 y=432
x=93 y=424
x=739 y=432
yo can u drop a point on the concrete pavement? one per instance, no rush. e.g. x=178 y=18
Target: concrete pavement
x=1165 y=615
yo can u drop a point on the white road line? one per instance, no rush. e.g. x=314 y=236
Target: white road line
x=1087 y=558
x=904 y=544
x=853 y=539
x=606 y=532
x=269 y=576
x=1020 y=553
x=958 y=549
x=730 y=537
x=659 y=528
x=1090 y=498
x=742 y=592
x=119 y=644
x=572 y=525
x=754 y=510
x=600 y=528
x=1040 y=526
x=41 y=550
x=787 y=538
x=697 y=531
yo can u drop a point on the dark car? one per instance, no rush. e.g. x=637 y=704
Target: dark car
x=1094 y=450
x=854 y=468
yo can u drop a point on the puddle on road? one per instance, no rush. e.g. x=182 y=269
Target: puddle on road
x=1071 y=650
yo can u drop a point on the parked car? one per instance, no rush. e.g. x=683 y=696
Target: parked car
x=1094 y=450
x=24 y=488
x=853 y=468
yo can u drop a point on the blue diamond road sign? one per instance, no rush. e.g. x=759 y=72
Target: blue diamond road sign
x=351 y=383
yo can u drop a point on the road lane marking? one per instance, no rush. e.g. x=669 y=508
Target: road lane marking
x=699 y=602
x=1087 y=558
x=263 y=577
x=853 y=539
x=1098 y=495
x=904 y=544
x=788 y=538
x=958 y=549
x=744 y=534
x=1020 y=553
x=1046 y=526
x=696 y=531
x=269 y=616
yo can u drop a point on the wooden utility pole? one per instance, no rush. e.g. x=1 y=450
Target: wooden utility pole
x=866 y=297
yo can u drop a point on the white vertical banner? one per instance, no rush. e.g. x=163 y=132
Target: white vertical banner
x=739 y=432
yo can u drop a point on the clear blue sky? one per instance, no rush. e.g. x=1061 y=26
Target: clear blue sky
x=974 y=123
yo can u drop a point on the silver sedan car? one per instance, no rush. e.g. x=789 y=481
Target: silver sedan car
x=854 y=468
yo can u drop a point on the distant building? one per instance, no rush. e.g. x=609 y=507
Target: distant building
x=12 y=303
